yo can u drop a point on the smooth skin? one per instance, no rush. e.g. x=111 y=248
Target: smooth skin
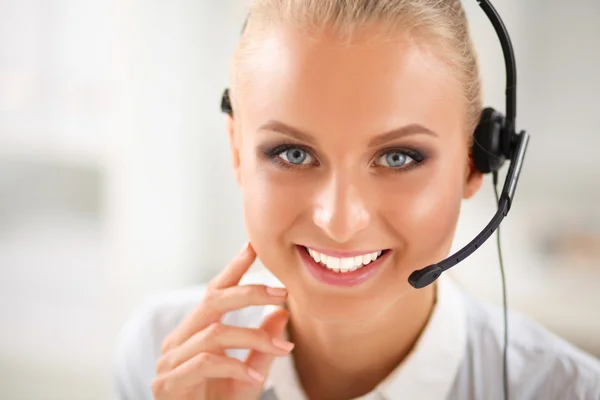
x=344 y=114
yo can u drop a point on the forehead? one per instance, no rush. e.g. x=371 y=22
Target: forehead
x=369 y=86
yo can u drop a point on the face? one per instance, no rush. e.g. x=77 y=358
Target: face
x=354 y=152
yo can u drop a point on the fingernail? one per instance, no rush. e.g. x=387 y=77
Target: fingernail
x=255 y=375
x=283 y=344
x=280 y=292
x=244 y=247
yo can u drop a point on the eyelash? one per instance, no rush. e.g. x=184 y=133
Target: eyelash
x=417 y=156
x=273 y=154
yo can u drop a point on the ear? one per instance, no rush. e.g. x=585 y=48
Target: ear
x=234 y=144
x=473 y=179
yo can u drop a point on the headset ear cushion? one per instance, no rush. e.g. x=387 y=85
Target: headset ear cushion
x=226 y=103
x=487 y=142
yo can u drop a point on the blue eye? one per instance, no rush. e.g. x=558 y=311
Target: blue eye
x=295 y=156
x=395 y=159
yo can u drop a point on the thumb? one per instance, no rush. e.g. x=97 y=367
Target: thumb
x=274 y=324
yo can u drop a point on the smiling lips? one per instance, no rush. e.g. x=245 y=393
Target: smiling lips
x=343 y=264
x=342 y=269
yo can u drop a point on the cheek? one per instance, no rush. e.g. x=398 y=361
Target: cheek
x=268 y=212
x=425 y=215
x=267 y=208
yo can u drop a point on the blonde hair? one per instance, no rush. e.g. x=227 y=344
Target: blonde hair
x=439 y=23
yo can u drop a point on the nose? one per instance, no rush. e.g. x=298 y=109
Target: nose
x=341 y=211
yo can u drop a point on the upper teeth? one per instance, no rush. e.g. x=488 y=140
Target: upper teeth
x=343 y=264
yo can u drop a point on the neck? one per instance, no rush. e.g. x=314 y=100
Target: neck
x=349 y=359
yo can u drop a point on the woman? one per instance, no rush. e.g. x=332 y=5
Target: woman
x=350 y=141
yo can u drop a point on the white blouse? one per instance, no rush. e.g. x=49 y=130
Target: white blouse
x=458 y=356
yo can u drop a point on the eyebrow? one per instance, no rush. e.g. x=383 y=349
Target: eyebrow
x=407 y=130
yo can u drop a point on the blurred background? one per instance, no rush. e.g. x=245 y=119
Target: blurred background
x=115 y=180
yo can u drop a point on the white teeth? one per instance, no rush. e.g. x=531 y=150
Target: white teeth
x=343 y=264
x=346 y=264
x=316 y=256
x=333 y=262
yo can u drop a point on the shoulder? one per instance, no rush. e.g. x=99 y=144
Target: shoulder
x=541 y=364
x=140 y=340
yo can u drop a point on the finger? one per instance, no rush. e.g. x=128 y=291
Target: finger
x=217 y=303
x=200 y=368
x=274 y=324
x=218 y=338
x=233 y=273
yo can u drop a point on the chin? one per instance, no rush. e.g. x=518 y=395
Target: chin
x=332 y=309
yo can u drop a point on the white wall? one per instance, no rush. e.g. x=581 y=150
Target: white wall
x=115 y=179
x=109 y=118
x=562 y=63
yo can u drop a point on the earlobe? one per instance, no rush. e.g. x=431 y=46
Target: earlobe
x=234 y=148
x=473 y=180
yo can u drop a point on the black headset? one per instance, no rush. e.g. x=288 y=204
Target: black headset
x=495 y=141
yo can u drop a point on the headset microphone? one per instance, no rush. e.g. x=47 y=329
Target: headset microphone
x=495 y=140
x=428 y=275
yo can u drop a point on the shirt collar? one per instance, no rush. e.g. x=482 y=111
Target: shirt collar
x=428 y=372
